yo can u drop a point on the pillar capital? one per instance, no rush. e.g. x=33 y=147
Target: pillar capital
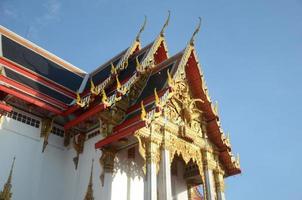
x=107 y=159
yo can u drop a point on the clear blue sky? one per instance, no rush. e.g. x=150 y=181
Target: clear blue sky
x=251 y=52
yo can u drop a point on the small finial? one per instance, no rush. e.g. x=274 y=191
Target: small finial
x=141 y=29
x=118 y=83
x=6 y=192
x=113 y=69
x=157 y=101
x=104 y=98
x=170 y=79
x=166 y=24
x=143 y=111
x=196 y=31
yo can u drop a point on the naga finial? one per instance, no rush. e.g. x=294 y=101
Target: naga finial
x=170 y=79
x=143 y=111
x=105 y=98
x=113 y=69
x=141 y=29
x=196 y=31
x=166 y=24
x=79 y=101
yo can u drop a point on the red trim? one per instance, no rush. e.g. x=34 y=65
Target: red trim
x=5 y=107
x=36 y=77
x=160 y=54
x=117 y=135
x=213 y=127
x=30 y=99
x=30 y=91
x=70 y=110
x=84 y=116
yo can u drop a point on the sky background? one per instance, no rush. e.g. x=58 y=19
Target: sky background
x=251 y=55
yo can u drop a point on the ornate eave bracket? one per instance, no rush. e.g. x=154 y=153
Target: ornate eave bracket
x=78 y=145
x=46 y=128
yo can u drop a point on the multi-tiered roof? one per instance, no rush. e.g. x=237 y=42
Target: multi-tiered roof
x=118 y=97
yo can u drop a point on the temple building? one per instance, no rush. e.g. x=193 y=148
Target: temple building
x=140 y=126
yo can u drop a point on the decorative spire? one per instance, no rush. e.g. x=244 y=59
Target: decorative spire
x=166 y=24
x=6 y=193
x=195 y=32
x=141 y=29
x=157 y=101
x=89 y=192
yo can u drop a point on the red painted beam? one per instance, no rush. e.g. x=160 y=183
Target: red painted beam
x=120 y=134
x=92 y=111
x=70 y=110
x=30 y=99
x=5 y=107
x=36 y=77
x=35 y=93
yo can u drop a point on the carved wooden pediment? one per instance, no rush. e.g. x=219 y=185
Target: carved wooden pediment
x=181 y=109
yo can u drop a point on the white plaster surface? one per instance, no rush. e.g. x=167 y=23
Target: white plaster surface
x=52 y=175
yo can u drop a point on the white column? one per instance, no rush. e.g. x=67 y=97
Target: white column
x=151 y=193
x=210 y=184
x=165 y=189
x=220 y=185
x=221 y=195
x=152 y=159
x=107 y=185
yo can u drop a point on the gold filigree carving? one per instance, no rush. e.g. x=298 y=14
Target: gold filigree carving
x=219 y=181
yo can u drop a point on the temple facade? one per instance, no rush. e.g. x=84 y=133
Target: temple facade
x=140 y=126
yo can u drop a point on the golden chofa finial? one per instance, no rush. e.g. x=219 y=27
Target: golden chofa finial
x=166 y=24
x=6 y=193
x=141 y=29
x=196 y=31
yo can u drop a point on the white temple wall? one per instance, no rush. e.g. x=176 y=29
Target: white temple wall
x=52 y=175
x=35 y=174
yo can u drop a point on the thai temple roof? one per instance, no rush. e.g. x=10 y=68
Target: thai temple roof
x=54 y=88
